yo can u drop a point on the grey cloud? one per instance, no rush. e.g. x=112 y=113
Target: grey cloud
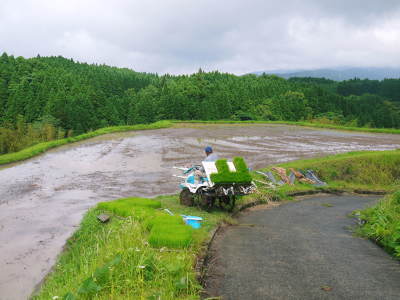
x=179 y=36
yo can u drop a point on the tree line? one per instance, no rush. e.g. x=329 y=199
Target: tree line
x=56 y=94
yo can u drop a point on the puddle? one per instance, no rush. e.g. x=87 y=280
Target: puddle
x=43 y=199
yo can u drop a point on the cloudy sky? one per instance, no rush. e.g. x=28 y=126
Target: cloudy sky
x=179 y=36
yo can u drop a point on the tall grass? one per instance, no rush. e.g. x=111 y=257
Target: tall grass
x=382 y=223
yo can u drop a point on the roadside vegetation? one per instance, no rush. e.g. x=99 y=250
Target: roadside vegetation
x=382 y=223
x=136 y=255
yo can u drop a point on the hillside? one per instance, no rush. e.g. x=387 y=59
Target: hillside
x=46 y=98
x=340 y=74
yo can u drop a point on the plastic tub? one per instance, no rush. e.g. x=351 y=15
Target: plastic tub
x=193 y=221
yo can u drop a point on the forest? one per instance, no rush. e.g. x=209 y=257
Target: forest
x=47 y=98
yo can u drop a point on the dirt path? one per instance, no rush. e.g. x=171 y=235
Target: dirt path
x=301 y=250
x=42 y=200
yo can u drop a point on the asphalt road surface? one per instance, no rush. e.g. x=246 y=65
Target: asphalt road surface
x=301 y=250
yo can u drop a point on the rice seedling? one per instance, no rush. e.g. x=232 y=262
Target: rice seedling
x=224 y=175
x=140 y=207
x=162 y=220
x=172 y=236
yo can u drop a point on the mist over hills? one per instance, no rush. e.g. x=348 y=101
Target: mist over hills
x=339 y=74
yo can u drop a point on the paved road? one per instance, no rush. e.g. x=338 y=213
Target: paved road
x=295 y=250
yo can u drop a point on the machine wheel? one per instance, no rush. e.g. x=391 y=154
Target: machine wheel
x=227 y=202
x=204 y=201
x=186 y=197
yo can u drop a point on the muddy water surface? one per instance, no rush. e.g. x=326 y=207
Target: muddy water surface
x=42 y=200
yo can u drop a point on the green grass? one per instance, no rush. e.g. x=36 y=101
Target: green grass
x=369 y=170
x=121 y=259
x=42 y=147
x=382 y=223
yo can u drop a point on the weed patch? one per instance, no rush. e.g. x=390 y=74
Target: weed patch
x=382 y=223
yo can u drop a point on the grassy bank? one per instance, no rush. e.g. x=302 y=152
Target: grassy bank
x=42 y=147
x=130 y=257
x=374 y=171
x=382 y=223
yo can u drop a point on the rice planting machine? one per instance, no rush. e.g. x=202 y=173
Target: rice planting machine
x=215 y=183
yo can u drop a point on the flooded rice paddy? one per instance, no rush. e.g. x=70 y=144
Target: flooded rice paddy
x=42 y=200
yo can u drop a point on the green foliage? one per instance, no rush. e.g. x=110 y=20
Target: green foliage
x=224 y=175
x=22 y=135
x=382 y=223
x=130 y=206
x=172 y=236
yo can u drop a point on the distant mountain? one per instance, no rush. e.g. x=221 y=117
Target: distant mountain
x=339 y=74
